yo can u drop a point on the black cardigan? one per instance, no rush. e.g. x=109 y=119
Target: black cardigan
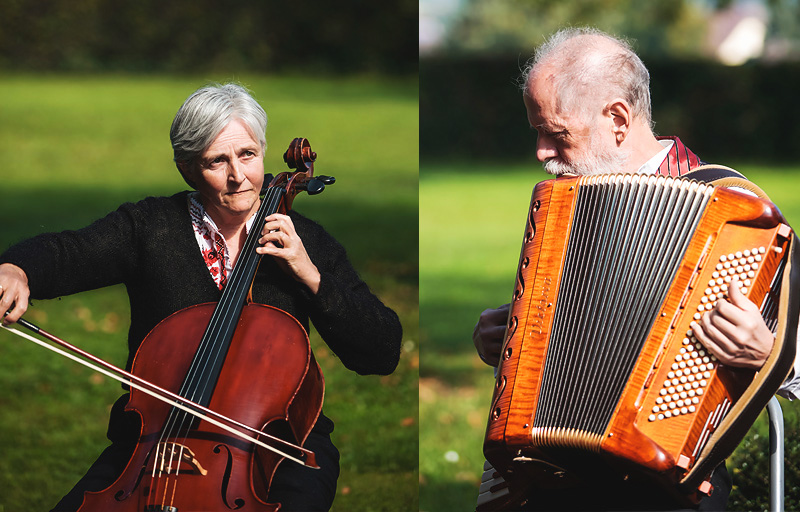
x=150 y=247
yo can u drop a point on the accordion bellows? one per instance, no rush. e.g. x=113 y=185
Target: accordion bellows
x=599 y=369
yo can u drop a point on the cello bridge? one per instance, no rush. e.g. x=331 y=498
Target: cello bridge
x=174 y=452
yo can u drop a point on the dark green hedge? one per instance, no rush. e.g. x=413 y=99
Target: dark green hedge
x=202 y=35
x=471 y=107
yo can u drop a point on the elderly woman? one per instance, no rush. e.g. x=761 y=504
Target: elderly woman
x=178 y=251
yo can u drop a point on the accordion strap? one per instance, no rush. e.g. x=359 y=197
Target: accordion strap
x=722 y=176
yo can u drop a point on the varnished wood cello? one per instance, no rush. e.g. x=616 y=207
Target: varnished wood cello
x=238 y=389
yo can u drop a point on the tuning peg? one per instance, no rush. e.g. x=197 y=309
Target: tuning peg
x=328 y=180
x=314 y=186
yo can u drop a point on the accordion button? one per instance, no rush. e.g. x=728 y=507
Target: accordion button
x=738 y=254
x=746 y=253
x=652 y=417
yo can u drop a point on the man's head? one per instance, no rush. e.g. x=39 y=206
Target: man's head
x=587 y=95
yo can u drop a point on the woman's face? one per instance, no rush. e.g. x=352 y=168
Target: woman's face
x=229 y=174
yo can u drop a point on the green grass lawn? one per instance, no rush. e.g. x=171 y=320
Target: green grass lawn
x=77 y=146
x=474 y=217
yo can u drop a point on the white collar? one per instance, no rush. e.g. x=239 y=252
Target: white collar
x=651 y=166
x=194 y=198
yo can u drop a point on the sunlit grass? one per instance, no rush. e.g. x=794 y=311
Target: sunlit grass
x=75 y=147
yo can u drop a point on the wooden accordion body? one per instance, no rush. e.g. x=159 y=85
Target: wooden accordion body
x=600 y=376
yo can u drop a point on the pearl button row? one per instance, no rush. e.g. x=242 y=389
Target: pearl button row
x=692 y=368
x=686 y=381
x=742 y=265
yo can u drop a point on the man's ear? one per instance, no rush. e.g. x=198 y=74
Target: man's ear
x=185 y=169
x=621 y=117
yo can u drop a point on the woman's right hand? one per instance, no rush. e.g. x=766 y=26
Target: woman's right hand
x=14 y=292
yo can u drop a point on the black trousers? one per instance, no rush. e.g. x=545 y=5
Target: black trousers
x=297 y=488
x=601 y=498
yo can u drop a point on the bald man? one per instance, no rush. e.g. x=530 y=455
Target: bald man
x=587 y=96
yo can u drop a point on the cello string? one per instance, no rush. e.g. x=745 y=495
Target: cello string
x=229 y=302
x=220 y=317
x=211 y=350
x=215 y=341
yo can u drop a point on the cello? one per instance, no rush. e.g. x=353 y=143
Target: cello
x=237 y=388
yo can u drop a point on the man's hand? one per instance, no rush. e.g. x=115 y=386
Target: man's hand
x=735 y=332
x=489 y=332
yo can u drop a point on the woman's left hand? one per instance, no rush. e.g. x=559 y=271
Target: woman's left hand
x=279 y=239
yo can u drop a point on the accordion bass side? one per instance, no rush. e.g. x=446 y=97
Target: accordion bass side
x=600 y=375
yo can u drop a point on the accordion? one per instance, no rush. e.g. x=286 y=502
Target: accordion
x=600 y=374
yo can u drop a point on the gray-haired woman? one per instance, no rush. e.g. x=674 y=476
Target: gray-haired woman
x=175 y=252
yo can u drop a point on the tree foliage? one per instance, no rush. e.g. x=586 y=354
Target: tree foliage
x=660 y=27
x=201 y=35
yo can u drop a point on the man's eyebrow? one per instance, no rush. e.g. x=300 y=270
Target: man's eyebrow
x=549 y=128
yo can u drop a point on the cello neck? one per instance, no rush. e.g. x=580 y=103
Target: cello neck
x=199 y=385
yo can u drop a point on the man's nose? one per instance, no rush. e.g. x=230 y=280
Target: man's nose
x=545 y=149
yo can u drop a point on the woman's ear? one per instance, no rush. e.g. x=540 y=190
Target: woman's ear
x=185 y=169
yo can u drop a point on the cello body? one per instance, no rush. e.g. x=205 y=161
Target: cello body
x=270 y=381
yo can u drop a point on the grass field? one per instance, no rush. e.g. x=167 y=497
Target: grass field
x=473 y=220
x=77 y=146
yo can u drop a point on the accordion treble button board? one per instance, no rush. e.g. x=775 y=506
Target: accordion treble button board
x=691 y=392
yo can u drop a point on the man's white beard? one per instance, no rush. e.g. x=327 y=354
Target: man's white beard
x=598 y=161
